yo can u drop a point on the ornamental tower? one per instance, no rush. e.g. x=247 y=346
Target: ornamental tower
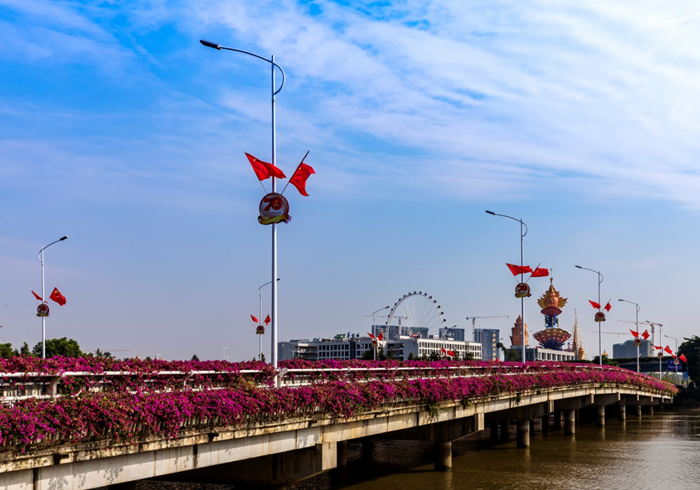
x=516 y=334
x=551 y=302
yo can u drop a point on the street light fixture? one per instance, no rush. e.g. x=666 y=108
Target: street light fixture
x=522 y=300
x=636 y=322
x=273 y=308
x=261 y=317
x=600 y=335
x=40 y=256
x=675 y=373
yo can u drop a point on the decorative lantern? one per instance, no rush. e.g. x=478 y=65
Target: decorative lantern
x=637 y=342
x=600 y=316
x=274 y=208
x=42 y=310
x=522 y=290
x=260 y=330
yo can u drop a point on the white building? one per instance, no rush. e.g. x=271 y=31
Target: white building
x=542 y=354
x=344 y=348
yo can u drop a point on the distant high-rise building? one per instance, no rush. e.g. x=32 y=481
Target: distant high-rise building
x=488 y=338
x=629 y=350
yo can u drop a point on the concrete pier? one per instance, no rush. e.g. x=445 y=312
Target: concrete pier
x=443 y=456
x=342 y=451
x=600 y=416
x=524 y=433
x=570 y=422
x=621 y=412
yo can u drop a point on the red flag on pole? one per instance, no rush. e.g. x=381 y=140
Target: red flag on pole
x=380 y=337
x=264 y=170
x=267 y=320
x=450 y=353
x=594 y=304
x=634 y=334
x=540 y=272
x=371 y=336
x=668 y=349
x=519 y=269
x=58 y=297
x=301 y=175
x=683 y=358
x=608 y=307
x=443 y=351
x=646 y=335
x=658 y=347
x=37 y=296
x=254 y=319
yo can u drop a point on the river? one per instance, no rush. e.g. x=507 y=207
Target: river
x=657 y=452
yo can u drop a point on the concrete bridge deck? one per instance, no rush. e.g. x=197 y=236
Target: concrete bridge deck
x=278 y=452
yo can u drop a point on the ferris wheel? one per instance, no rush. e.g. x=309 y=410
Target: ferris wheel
x=417 y=311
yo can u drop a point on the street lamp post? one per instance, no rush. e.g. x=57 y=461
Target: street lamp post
x=261 y=317
x=661 y=329
x=522 y=263
x=273 y=308
x=600 y=336
x=40 y=256
x=675 y=373
x=224 y=353
x=374 y=318
x=636 y=322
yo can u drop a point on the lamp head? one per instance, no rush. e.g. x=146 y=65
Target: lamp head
x=620 y=299
x=578 y=267
x=65 y=237
x=210 y=44
x=491 y=212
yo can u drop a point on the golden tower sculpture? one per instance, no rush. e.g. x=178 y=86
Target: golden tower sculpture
x=516 y=334
x=579 y=353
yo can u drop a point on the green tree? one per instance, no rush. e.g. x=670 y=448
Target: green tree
x=691 y=349
x=411 y=357
x=6 y=351
x=606 y=361
x=59 y=347
x=195 y=358
x=24 y=351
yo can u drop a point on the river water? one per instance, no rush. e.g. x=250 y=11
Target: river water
x=657 y=452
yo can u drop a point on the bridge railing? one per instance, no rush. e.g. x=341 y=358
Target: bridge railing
x=23 y=385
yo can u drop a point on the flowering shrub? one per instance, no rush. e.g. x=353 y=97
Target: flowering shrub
x=125 y=415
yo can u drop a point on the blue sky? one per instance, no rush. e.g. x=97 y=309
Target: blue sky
x=119 y=129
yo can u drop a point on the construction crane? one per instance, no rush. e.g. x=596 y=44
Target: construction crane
x=473 y=319
x=651 y=324
x=610 y=333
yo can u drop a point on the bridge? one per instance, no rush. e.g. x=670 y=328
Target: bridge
x=279 y=443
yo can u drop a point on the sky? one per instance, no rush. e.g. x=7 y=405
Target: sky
x=119 y=129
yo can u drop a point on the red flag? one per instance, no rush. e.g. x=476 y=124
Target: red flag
x=264 y=170
x=254 y=319
x=267 y=320
x=370 y=336
x=450 y=353
x=519 y=269
x=658 y=347
x=646 y=335
x=37 y=296
x=634 y=334
x=540 y=272
x=301 y=174
x=380 y=336
x=667 y=349
x=594 y=304
x=683 y=358
x=444 y=352
x=608 y=307
x=58 y=297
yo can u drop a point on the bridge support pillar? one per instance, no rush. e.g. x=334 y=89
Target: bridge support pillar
x=443 y=456
x=546 y=424
x=524 y=433
x=638 y=411
x=505 y=429
x=532 y=425
x=493 y=430
x=649 y=409
x=570 y=422
x=621 y=412
x=342 y=451
x=600 y=416
x=557 y=420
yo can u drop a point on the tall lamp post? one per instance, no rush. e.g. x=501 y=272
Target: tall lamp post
x=636 y=322
x=661 y=329
x=374 y=317
x=273 y=92
x=523 y=232
x=675 y=373
x=261 y=317
x=600 y=336
x=40 y=256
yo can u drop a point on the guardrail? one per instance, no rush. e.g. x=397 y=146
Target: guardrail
x=23 y=385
